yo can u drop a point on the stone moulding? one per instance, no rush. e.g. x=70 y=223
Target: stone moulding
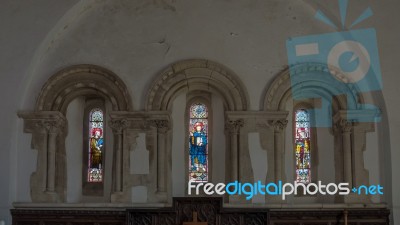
x=83 y=80
x=48 y=130
x=281 y=88
x=196 y=74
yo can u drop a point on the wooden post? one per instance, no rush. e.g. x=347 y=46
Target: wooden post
x=194 y=222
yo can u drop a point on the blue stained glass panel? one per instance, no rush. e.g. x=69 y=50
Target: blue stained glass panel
x=198 y=142
x=302 y=146
x=96 y=146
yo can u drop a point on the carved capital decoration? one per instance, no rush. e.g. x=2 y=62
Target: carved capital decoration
x=159 y=124
x=119 y=125
x=50 y=126
x=279 y=125
x=344 y=125
x=234 y=126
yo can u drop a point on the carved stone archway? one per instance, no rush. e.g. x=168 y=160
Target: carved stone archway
x=348 y=151
x=83 y=80
x=197 y=77
x=194 y=75
x=48 y=123
x=280 y=90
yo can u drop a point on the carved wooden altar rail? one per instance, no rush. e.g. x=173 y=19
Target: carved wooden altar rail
x=208 y=210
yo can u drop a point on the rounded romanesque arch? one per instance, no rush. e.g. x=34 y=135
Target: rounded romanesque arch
x=348 y=122
x=197 y=75
x=83 y=80
x=281 y=89
x=48 y=183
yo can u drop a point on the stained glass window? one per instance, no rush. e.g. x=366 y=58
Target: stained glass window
x=198 y=142
x=96 y=143
x=302 y=146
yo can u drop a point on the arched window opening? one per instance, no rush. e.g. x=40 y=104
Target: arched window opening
x=198 y=143
x=302 y=146
x=96 y=146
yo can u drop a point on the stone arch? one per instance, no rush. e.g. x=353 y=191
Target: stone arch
x=49 y=126
x=195 y=75
x=83 y=80
x=349 y=133
x=281 y=88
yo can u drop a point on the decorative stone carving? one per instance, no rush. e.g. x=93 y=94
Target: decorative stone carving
x=234 y=126
x=51 y=126
x=46 y=128
x=179 y=76
x=350 y=136
x=118 y=125
x=344 y=125
x=277 y=93
x=155 y=125
x=279 y=125
x=159 y=124
x=62 y=87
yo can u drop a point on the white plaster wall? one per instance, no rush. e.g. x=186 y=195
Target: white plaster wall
x=326 y=159
x=372 y=156
x=259 y=162
x=74 y=149
x=139 y=156
x=178 y=146
x=137 y=39
x=218 y=139
x=19 y=41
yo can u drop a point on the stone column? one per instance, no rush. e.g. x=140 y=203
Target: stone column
x=346 y=128
x=161 y=148
x=233 y=127
x=53 y=128
x=279 y=127
x=118 y=126
x=47 y=128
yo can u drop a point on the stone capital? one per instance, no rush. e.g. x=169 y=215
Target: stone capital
x=159 y=124
x=278 y=125
x=118 y=125
x=344 y=125
x=234 y=126
x=50 y=126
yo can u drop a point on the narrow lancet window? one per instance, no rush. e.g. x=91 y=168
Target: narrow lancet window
x=96 y=145
x=302 y=146
x=198 y=142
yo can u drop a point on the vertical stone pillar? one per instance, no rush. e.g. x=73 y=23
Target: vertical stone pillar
x=359 y=136
x=161 y=149
x=233 y=127
x=279 y=128
x=118 y=126
x=47 y=128
x=346 y=129
x=351 y=138
x=53 y=128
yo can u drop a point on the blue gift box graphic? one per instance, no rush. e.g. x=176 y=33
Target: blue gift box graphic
x=352 y=65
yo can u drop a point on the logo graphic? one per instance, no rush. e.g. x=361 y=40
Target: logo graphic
x=281 y=189
x=349 y=63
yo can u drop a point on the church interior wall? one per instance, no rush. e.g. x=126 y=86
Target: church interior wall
x=139 y=40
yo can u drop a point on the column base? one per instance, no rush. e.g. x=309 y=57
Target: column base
x=119 y=197
x=274 y=199
x=353 y=198
x=48 y=196
x=238 y=199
